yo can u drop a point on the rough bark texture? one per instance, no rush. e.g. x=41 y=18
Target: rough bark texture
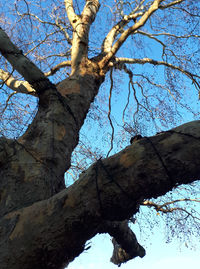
x=38 y=235
x=42 y=223
x=33 y=163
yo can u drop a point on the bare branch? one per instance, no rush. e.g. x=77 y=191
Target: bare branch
x=123 y=180
x=127 y=103
x=70 y=12
x=187 y=12
x=108 y=41
x=128 y=32
x=56 y=24
x=81 y=26
x=7 y=101
x=16 y=85
x=150 y=203
x=40 y=42
x=150 y=36
x=165 y=208
x=176 y=2
x=90 y=10
x=175 y=36
x=22 y=64
x=154 y=62
x=20 y=86
x=57 y=68
x=157 y=85
x=109 y=112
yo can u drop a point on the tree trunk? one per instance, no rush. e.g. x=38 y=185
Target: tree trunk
x=42 y=223
x=43 y=227
x=34 y=165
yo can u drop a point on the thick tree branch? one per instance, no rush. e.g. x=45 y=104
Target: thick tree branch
x=90 y=10
x=81 y=26
x=110 y=38
x=16 y=85
x=115 y=188
x=54 y=132
x=22 y=64
x=128 y=32
x=20 y=86
x=70 y=12
x=124 y=242
x=49 y=139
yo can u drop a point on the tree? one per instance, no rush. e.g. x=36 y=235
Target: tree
x=43 y=223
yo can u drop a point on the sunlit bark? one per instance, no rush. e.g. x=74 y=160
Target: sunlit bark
x=43 y=224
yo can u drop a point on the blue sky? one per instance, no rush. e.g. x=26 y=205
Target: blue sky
x=158 y=255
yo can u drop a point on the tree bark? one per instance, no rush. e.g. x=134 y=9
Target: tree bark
x=42 y=223
x=52 y=232
x=33 y=165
